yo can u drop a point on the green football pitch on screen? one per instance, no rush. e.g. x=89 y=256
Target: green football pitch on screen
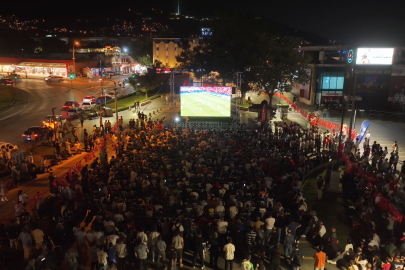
x=204 y=104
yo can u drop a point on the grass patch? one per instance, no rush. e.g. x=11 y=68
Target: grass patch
x=7 y=96
x=330 y=209
x=125 y=102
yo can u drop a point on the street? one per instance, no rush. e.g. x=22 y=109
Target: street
x=37 y=98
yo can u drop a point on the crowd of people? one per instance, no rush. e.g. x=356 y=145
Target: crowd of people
x=166 y=197
x=165 y=194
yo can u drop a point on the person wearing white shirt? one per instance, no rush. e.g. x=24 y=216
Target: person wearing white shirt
x=229 y=250
x=222 y=226
x=109 y=225
x=118 y=218
x=99 y=235
x=269 y=225
x=219 y=209
x=102 y=259
x=141 y=235
x=112 y=239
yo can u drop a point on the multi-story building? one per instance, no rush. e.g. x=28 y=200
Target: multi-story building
x=375 y=74
x=166 y=49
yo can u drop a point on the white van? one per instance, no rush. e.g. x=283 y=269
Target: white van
x=88 y=105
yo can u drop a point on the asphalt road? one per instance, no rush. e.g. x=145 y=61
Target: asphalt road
x=37 y=98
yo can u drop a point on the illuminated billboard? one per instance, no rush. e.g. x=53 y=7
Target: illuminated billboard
x=374 y=56
x=205 y=101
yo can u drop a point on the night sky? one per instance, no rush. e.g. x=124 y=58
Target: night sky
x=364 y=23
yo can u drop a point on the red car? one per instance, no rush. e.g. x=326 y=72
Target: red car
x=91 y=99
x=71 y=105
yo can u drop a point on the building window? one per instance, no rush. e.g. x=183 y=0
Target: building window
x=175 y=49
x=167 y=57
x=157 y=48
x=167 y=48
x=193 y=41
x=332 y=80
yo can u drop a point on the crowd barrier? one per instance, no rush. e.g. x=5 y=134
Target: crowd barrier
x=313 y=119
x=383 y=203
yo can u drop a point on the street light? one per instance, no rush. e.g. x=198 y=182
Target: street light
x=74 y=68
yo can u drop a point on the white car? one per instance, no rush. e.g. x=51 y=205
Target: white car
x=54 y=79
x=87 y=106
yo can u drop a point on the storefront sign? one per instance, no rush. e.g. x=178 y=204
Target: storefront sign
x=350 y=56
x=398 y=71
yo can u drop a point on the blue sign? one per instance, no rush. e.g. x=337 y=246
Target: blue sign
x=350 y=56
x=363 y=129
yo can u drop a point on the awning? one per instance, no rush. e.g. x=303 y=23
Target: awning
x=41 y=64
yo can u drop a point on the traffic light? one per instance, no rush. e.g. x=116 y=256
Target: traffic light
x=71 y=76
x=16 y=77
x=133 y=76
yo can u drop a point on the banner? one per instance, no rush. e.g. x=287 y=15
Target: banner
x=363 y=129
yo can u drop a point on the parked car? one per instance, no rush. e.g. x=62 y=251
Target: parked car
x=6 y=81
x=89 y=99
x=52 y=121
x=87 y=106
x=103 y=99
x=54 y=79
x=33 y=134
x=71 y=105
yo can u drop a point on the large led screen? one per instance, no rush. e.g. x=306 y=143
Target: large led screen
x=374 y=56
x=205 y=101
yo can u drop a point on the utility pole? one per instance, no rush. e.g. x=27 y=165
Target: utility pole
x=116 y=104
x=353 y=99
x=54 y=126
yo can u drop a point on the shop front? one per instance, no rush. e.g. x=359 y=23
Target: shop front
x=330 y=82
x=42 y=68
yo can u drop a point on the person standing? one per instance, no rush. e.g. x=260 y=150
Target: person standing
x=325 y=112
x=214 y=250
x=26 y=241
x=102 y=259
x=288 y=244
x=141 y=255
x=122 y=252
x=12 y=235
x=178 y=245
x=269 y=225
x=229 y=250
x=71 y=259
x=81 y=117
x=320 y=258
x=198 y=249
x=274 y=259
x=296 y=258
x=247 y=264
x=93 y=257
x=38 y=237
x=160 y=252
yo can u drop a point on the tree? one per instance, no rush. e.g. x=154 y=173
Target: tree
x=229 y=48
x=147 y=82
x=157 y=64
x=195 y=58
x=141 y=47
x=278 y=65
x=144 y=61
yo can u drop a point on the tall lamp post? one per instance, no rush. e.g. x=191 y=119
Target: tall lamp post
x=74 y=66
